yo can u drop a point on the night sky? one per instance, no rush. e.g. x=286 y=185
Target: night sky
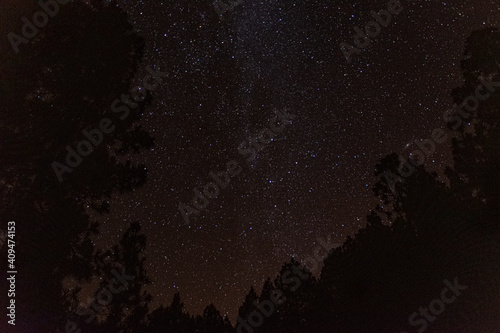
x=314 y=179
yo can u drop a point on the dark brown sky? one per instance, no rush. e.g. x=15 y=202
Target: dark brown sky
x=225 y=78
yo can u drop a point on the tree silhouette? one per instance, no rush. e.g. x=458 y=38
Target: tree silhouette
x=171 y=319
x=62 y=82
x=425 y=230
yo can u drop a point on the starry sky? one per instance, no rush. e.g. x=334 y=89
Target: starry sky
x=226 y=77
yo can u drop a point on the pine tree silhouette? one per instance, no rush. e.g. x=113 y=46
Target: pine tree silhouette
x=63 y=82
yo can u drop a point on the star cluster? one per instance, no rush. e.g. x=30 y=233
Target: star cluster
x=227 y=76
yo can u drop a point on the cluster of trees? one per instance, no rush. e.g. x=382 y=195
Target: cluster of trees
x=425 y=230
x=60 y=83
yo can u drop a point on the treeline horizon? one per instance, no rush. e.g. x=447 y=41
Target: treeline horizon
x=428 y=258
